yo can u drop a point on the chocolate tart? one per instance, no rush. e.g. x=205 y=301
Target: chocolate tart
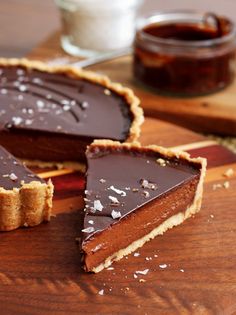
x=50 y=114
x=25 y=199
x=134 y=193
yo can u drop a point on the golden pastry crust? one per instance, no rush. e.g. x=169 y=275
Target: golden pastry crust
x=28 y=205
x=77 y=73
x=168 y=153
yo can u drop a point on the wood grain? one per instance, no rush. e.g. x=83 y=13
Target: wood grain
x=214 y=113
x=40 y=269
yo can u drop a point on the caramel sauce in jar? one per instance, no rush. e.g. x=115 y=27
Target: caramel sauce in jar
x=185 y=53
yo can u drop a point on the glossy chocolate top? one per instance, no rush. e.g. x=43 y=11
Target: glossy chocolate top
x=119 y=182
x=13 y=172
x=55 y=103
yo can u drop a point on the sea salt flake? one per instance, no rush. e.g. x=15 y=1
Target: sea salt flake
x=95 y=249
x=66 y=108
x=142 y=272
x=40 y=104
x=135 y=276
x=30 y=111
x=229 y=172
x=84 y=105
x=65 y=102
x=110 y=268
x=102 y=180
x=3 y=91
x=89 y=229
x=101 y=292
x=181 y=270
x=146 y=194
x=22 y=88
x=163 y=266
x=115 y=214
x=107 y=92
x=226 y=185
x=97 y=205
x=142 y=280
x=118 y=191
x=17 y=120
x=136 y=254
x=114 y=199
x=37 y=80
x=161 y=162
x=20 y=72
x=212 y=216
x=147 y=185
x=13 y=177
x=91 y=222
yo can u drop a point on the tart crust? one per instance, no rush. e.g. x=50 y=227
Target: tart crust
x=28 y=205
x=171 y=221
x=78 y=73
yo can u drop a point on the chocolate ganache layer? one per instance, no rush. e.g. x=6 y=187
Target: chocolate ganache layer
x=130 y=191
x=13 y=173
x=43 y=110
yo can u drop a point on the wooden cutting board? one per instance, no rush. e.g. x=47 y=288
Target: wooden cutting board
x=40 y=271
x=214 y=113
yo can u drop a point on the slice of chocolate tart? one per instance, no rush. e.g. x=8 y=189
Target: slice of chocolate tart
x=53 y=113
x=25 y=199
x=134 y=193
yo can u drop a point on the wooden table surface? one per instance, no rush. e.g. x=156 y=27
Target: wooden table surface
x=40 y=270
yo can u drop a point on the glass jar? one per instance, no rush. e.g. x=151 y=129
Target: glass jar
x=90 y=27
x=185 y=53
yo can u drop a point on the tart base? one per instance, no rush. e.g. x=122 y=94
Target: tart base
x=26 y=206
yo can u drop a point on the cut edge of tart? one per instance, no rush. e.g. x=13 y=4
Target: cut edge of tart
x=26 y=206
x=168 y=223
x=132 y=101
